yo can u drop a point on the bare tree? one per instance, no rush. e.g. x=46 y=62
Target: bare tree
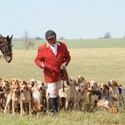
x=107 y=35
x=28 y=41
x=31 y=44
x=38 y=38
x=61 y=38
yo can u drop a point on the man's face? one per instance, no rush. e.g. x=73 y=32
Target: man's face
x=52 y=40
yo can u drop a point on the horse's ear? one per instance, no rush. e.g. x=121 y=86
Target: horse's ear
x=11 y=37
x=7 y=36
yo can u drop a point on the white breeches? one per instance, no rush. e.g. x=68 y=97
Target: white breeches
x=53 y=89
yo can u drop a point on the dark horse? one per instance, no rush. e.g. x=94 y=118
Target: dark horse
x=6 y=47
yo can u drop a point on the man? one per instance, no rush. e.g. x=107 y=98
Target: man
x=52 y=57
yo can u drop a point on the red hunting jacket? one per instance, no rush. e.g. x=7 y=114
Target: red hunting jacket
x=51 y=61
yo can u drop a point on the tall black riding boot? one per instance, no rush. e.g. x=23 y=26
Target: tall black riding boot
x=54 y=104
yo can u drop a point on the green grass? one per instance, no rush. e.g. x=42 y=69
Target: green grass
x=96 y=43
x=100 y=64
x=66 y=118
x=82 y=43
x=93 y=61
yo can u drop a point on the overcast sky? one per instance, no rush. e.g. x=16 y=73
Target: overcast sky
x=69 y=18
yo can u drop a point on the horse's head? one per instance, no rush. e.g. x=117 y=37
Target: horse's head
x=6 y=47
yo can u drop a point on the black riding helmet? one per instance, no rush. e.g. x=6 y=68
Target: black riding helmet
x=50 y=34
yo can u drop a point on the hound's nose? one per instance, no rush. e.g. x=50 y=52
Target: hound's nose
x=79 y=90
x=4 y=87
x=16 y=92
x=41 y=88
x=21 y=90
x=32 y=84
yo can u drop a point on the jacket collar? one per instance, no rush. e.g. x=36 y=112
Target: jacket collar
x=48 y=45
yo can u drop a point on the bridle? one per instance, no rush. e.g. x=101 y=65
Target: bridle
x=6 y=51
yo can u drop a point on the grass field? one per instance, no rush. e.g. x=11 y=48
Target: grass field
x=81 y=43
x=100 y=62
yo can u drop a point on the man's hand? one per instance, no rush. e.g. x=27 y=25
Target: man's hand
x=42 y=66
x=63 y=66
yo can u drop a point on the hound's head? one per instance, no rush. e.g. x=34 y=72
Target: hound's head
x=93 y=85
x=80 y=78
